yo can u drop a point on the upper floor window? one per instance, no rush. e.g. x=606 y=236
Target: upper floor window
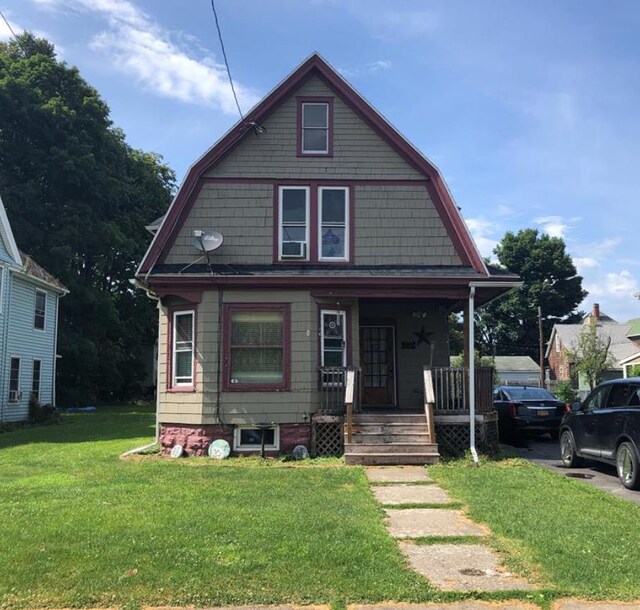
x=333 y=224
x=294 y=223
x=183 y=348
x=40 y=310
x=314 y=126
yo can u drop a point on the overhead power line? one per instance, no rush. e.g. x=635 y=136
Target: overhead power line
x=226 y=62
x=9 y=25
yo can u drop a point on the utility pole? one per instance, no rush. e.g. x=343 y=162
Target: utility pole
x=541 y=339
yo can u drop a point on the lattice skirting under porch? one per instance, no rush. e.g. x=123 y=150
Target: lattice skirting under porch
x=452 y=435
x=327 y=435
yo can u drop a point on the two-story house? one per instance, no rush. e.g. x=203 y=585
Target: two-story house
x=311 y=238
x=29 y=298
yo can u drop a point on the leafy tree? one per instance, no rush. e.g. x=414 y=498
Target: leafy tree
x=591 y=357
x=565 y=392
x=78 y=197
x=509 y=325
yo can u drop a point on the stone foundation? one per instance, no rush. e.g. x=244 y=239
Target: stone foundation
x=196 y=438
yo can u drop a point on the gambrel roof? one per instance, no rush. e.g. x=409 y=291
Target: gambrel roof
x=313 y=66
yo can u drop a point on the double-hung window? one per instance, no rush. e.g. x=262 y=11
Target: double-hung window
x=14 y=380
x=183 y=349
x=36 y=378
x=256 y=346
x=315 y=137
x=40 y=312
x=333 y=223
x=294 y=223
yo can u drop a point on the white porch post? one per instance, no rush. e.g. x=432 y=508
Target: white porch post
x=472 y=376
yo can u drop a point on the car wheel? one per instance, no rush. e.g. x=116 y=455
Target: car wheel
x=568 y=451
x=628 y=466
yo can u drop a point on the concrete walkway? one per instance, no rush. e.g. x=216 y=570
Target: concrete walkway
x=451 y=567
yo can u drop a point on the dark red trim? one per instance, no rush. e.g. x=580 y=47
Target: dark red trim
x=320 y=181
x=227 y=309
x=313 y=255
x=194 y=369
x=192 y=296
x=315 y=65
x=314 y=100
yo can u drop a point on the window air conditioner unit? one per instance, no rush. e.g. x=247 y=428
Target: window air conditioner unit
x=294 y=249
x=14 y=395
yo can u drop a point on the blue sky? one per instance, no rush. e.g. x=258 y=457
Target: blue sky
x=531 y=110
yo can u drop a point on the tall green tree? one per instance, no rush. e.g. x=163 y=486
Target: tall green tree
x=78 y=198
x=509 y=325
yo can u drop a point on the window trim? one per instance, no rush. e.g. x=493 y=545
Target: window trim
x=237 y=446
x=172 y=385
x=347 y=225
x=301 y=100
x=227 y=310
x=19 y=359
x=33 y=378
x=314 y=187
x=35 y=310
x=308 y=222
x=2 y=279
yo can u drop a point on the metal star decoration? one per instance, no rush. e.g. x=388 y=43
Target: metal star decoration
x=423 y=336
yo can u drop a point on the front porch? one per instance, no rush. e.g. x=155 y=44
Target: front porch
x=393 y=435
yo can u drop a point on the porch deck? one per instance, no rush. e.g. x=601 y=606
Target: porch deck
x=396 y=435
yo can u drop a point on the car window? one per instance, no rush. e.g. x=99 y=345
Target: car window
x=597 y=398
x=529 y=394
x=634 y=396
x=617 y=395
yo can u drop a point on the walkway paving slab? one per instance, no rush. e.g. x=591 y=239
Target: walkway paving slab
x=469 y=605
x=397 y=474
x=462 y=567
x=423 y=522
x=576 y=604
x=410 y=494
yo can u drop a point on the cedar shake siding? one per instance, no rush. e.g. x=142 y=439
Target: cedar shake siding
x=358 y=152
x=393 y=225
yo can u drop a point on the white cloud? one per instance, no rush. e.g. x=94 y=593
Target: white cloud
x=483 y=232
x=393 y=25
x=585 y=262
x=622 y=283
x=140 y=48
x=556 y=226
x=369 y=68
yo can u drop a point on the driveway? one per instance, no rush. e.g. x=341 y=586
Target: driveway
x=546 y=453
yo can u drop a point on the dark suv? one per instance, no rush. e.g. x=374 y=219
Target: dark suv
x=606 y=427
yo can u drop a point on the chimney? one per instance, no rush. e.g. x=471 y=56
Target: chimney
x=595 y=312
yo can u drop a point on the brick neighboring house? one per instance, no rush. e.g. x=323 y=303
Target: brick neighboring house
x=625 y=346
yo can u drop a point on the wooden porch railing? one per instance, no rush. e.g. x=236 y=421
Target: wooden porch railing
x=451 y=388
x=429 y=401
x=332 y=383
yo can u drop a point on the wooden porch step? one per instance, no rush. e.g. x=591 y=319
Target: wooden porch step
x=391 y=459
x=361 y=437
x=391 y=418
x=404 y=447
x=390 y=428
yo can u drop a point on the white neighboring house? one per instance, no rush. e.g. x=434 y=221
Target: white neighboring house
x=29 y=298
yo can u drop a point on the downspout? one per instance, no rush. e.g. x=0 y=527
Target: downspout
x=156 y=437
x=472 y=377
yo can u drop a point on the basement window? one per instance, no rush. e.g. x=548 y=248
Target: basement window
x=249 y=438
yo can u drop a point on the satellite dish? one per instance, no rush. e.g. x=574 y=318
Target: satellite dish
x=207 y=242
x=219 y=449
x=177 y=451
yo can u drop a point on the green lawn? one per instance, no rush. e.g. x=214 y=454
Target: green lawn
x=583 y=541
x=81 y=527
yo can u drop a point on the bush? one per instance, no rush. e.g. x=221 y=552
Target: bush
x=42 y=414
x=565 y=392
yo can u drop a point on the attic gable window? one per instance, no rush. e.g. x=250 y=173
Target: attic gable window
x=315 y=117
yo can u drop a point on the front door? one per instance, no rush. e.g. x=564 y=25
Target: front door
x=377 y=358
